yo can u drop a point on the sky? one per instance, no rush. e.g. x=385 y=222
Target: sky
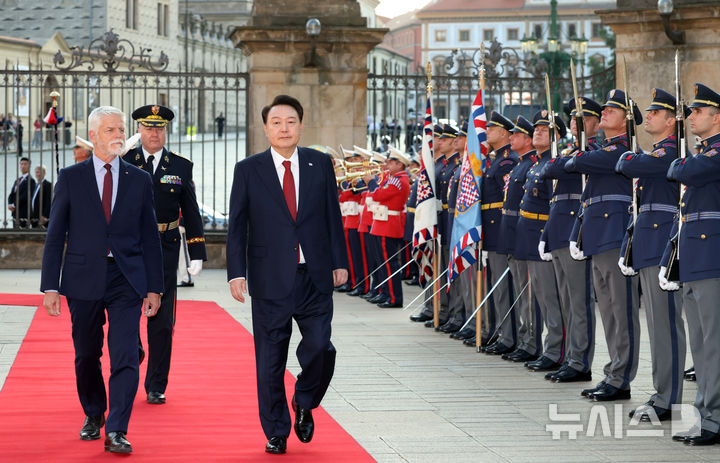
x=392 y=8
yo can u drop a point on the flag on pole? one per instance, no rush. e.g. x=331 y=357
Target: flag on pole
x=466 y=231
x=51 y=117
x=425 y=225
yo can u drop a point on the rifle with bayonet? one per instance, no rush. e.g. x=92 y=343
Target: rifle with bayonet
x=582 y=140
x=632 y=138
x=672 y=271
x=551 y=118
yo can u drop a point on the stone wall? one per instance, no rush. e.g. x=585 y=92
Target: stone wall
x=24 y=250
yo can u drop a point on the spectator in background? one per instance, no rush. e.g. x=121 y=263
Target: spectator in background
x=37 y=134
x=19 y=197
x=41 y=199
x=220 y=122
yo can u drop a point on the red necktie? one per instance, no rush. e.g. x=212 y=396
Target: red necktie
x=289 y=190
x=107 y=193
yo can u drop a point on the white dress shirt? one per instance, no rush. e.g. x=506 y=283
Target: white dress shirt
x=278 y=160
x=156 y=160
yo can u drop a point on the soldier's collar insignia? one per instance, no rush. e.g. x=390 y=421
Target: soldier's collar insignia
x=137 y=156
x=166 y=158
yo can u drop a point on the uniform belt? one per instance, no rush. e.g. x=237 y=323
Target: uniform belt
x=411 y=210
x=445 y=206
x=565 y=197
x=485 y=207
x=163 y=227
x=510 y=213
x=704 y=215
x=603 y=198
x=394 y=212
x=659 y=208
x=533 y=216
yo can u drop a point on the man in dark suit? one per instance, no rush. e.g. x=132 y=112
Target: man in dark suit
x=113 y=262
x=19 y=202
x=41 y=199
x=286 y=243
x=174 y=191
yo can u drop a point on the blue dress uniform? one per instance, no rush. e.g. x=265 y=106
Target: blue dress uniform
x=657 y=206
x=534 y=210
x=174 y=191
x=526 y=346
x=492 y=196
x=456 y=302
x=699 y=259
x=573 y=278
x=605 y=216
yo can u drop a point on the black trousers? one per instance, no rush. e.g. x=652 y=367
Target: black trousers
x=272 y=327
x=358 y=266
x=392 y=289
x=160 y=327
x=123 y=306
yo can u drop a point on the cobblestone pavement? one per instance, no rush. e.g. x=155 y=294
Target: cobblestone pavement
x=406 y=393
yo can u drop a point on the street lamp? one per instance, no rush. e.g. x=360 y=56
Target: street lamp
x=312 y=29
x=665 y=8
x=528 y=45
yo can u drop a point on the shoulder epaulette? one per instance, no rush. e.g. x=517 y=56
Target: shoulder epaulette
x=181 y=157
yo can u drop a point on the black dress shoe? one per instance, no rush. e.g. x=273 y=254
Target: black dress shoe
x=543 y=364
x=450 y=327
x=661 y=414
x=609 y=393
x=689 y=374
x=498 y=349
x=463 y=334
x=389 y=305
x=571 y=375
x=683 y=436
x=470 y=341
x=377 y=299
x=513 y=354
x=91 y=427
x=355 y=292
x=186 y=284
x=524 y=357
x=413 y=282
x=705 y=438
x=155 y=398
x=115 y=442
x=421 y=317
x=369 y=295
x=276 y=445
x=431 y=323
x=343 y=288
x=592 y=390
x=551 y=374
x=304 y=424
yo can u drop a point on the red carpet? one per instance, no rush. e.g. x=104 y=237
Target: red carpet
x=211 y=414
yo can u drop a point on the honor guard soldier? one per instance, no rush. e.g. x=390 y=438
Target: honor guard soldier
x=657 y=206
x=699 y=259
x=371 y=182
x=389 y=224
x=573 y=277
x=534 y=210
x=173 y=191
x=605 y=215
x=528 y=347
x=351 y=197
x=413 y=271
x=493 y=187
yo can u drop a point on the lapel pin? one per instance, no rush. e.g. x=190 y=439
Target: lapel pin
x=309 y=163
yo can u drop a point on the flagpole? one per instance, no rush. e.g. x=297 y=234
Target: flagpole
x=480 y=285
x=436 y=247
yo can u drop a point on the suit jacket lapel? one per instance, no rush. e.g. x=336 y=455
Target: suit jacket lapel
x=306 y=169
x=268 y=175
x=93 y=192
x=122 y=186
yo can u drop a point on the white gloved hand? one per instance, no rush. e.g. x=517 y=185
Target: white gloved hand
x=130 y=143
x=627 y=271
x=484 y=257
x=195 y=267
x=575 y=252
x=666 y=285
x=546 y=256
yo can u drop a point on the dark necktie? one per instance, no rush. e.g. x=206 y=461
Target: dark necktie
x=289 y=190
x=107 y=193
x=149 y=164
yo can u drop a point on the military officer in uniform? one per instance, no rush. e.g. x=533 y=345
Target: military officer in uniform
x=534 y=210
x=657 y=206
x=492 y=195
x=173 y=191
x=699 y=259
x=573 y=277
x=389 y=224
x=529 y=342
x=605 y=216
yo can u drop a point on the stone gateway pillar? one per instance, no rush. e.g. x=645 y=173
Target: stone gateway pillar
x=331 y=82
